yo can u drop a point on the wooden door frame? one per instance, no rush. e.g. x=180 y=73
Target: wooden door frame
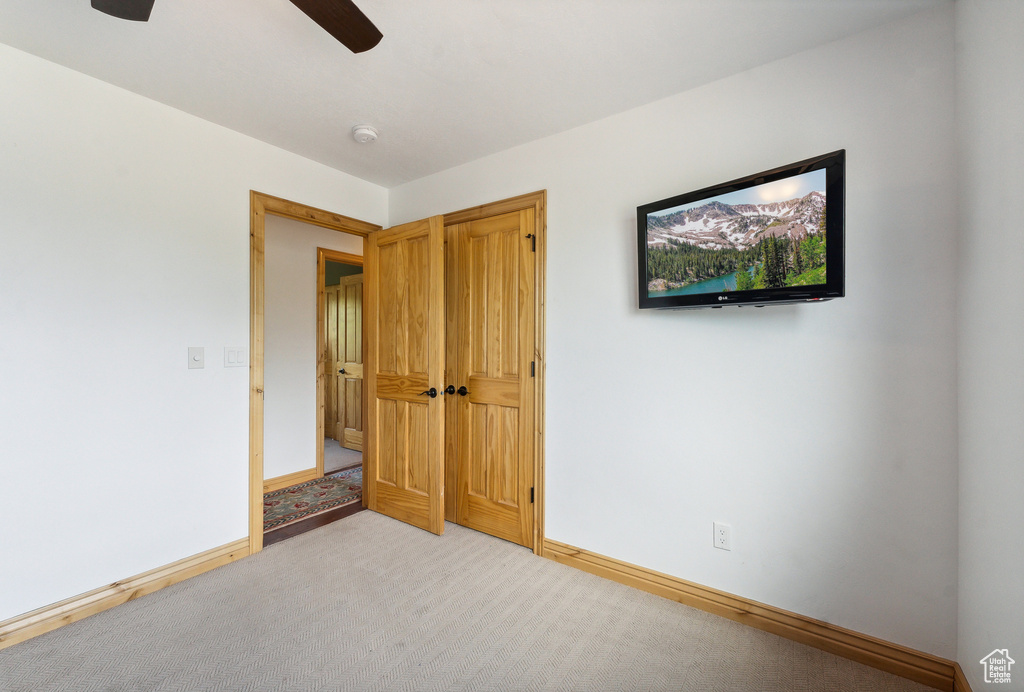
x=537 y=202
x=260 y=205
x=324 y=255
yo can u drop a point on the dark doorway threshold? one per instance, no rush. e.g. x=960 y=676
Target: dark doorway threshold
x=310 y=523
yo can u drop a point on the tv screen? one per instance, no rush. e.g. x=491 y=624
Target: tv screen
x=771 y=237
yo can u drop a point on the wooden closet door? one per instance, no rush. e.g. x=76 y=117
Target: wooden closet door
x=493 y=345
x=404 y=435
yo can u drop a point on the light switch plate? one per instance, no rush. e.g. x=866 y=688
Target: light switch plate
x=234 y=357
x=196 y=358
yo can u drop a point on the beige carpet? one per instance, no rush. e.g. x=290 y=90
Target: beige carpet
x=368 y=603
x=338 y=457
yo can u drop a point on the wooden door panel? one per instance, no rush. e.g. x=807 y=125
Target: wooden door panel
x=494 y=462
x=494 y=501
x=402 y=387
x=354 y=370
x=332 y=381
x=352 y=349
x=353 y=421
x=403 y=457
x=388 y=308
x=495 y=348
x=488 y=390
x=350 y=357
x=404 y=434
x=419 y=475
x=495 y=252
x=417 y=306
x=404 y=506
x=387 y=448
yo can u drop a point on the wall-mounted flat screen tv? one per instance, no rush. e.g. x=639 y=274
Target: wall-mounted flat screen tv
x=772 y=237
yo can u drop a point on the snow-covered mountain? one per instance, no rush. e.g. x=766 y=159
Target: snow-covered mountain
x=717 y=226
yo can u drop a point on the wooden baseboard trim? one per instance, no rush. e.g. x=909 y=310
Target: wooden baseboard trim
x=290 y=479
x=892 y=658
x=48 y=618
x=960 y=683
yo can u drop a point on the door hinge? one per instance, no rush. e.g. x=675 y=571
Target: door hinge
x=533 y=368
x=533 y=240
x=531 y=496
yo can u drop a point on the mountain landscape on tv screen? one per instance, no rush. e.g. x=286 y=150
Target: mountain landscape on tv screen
x=728 y=247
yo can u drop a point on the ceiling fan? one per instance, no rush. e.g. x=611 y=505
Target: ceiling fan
x=340 y=18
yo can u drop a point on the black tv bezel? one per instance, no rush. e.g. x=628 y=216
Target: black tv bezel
x=834 y=164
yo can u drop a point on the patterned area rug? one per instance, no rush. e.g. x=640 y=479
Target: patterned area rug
x=287 y=505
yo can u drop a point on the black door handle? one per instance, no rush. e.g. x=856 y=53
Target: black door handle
x=463 y=391
x=450 y=389
x=342 y=371
x=432 y=393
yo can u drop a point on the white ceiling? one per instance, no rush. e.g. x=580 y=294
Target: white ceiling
x=452 y=80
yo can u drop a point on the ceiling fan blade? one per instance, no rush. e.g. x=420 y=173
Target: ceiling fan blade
x=344 y=21
x=135 y=10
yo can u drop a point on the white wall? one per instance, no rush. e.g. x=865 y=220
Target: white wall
x=990 y=101
x=824 y=434
x=289 y=405
x=124 y=239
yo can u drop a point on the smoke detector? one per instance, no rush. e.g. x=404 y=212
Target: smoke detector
x=364 y=134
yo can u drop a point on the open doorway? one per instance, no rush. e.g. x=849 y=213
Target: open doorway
x=313 y=371
x=313 y=374
x=286 y=378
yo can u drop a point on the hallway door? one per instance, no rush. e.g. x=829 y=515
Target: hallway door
x=349 y=363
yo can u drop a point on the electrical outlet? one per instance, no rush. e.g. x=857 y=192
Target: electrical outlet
x=723 y=536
